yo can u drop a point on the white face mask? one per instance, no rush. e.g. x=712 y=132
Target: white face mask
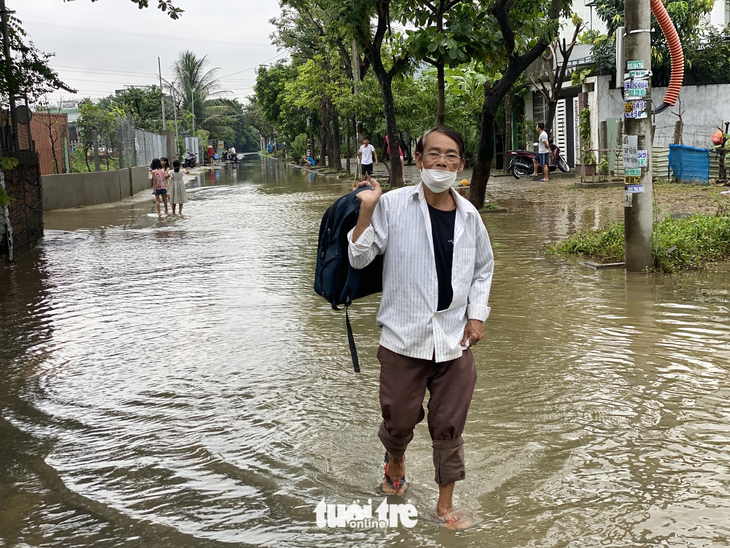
x=438 y=180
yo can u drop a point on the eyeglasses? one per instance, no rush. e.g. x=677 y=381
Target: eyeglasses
x=433 y=157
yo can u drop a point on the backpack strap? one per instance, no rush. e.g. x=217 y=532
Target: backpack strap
x=351 y=340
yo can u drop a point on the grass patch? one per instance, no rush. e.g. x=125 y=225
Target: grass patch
x=491 y=207
x=680 y=244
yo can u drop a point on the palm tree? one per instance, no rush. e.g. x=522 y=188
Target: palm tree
x=200 y=91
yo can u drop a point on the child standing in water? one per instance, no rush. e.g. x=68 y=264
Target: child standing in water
x=159 y=184
x=178 y=193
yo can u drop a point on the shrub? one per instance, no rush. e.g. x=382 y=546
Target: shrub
x=680 y=244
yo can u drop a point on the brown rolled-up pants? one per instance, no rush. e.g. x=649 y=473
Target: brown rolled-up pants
x=403 y=384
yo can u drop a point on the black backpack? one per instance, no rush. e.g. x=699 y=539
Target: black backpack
x=334 y=278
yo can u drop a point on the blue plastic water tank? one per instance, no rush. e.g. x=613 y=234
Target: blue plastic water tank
x=690 y=164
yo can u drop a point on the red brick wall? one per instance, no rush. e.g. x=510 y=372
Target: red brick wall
x=49 y=141
x=26 y=212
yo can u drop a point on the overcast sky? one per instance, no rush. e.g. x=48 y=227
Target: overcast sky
x=102 y=46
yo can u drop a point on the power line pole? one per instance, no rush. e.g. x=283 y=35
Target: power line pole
x=174 y=113
x=638 y=137
x=162 y=98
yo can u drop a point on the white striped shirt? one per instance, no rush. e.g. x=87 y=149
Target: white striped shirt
x=400 y=230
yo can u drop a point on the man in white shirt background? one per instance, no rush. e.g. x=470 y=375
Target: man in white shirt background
x=366 y=153
x=437 y=273
x=543 y=149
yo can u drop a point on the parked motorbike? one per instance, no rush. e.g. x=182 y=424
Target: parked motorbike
x=190 y=160
x=521 y=162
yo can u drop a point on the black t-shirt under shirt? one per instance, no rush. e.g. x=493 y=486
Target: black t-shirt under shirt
x=442 y=229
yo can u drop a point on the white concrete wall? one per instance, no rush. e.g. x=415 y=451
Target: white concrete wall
x=704 y=109
x=584 y=12
x=720 y=14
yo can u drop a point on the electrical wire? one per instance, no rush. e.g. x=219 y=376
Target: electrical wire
x=144 y=35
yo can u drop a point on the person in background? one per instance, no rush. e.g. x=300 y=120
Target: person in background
x=159 y=185
x=365 y=154
x=543 y=148
x=437 y=274
x=178 y=192
x=402 y=159
x=211 y=153
x=165 y=165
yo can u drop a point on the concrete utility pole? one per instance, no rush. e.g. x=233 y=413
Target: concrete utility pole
x=162 y=99
x=637 y=139
x=174 y=113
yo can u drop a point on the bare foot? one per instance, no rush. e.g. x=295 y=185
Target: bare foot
x=455 y=521
x=395 y=470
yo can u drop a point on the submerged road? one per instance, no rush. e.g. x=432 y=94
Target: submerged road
x=178 y=383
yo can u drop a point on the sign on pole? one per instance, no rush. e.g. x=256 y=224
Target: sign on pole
x=630 y=147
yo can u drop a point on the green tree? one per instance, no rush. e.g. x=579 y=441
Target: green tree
x=142 y=104
x=199 y=92
x=93 y=121
x=27 y=73
x=270 y=88
x=308 y=30
x=320 y=85
x=514 y=53
x=386 y=50
x=445 y=35
x=254 y=117
x=688 y=17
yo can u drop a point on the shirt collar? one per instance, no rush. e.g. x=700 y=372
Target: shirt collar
x=420 y=195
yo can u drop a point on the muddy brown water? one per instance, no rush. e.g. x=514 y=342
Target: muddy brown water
x=177 y=383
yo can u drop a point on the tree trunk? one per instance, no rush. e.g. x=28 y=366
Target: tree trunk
x=485 y=156
x=441 y=107
x=678 y=127
x=493 y=95
x=336 y=154
x=330 y=140
x=347 y=144
x=396 y=172
x=325 y=135
x=507 y=127
x=86 y=159
x=53 y=145
x=552 y=107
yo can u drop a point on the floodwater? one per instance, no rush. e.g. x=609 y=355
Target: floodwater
x=178 y=383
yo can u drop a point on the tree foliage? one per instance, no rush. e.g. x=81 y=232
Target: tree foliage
x=30 y=74
x=163 y=5
x=701 y=43
x=143 y=105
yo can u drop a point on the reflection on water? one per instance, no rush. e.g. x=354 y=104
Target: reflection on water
x=177 y=383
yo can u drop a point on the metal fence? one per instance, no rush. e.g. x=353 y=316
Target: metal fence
x=138 y=147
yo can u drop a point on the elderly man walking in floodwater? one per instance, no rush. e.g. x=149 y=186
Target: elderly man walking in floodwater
x=437 y=273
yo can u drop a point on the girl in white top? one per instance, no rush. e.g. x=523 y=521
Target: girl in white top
x=178 y=193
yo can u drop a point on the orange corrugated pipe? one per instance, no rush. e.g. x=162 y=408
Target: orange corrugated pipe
x=675 y=53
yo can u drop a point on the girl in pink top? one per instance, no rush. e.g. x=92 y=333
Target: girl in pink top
x=159 y=184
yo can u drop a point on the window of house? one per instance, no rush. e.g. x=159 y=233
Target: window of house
x=539 y=107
